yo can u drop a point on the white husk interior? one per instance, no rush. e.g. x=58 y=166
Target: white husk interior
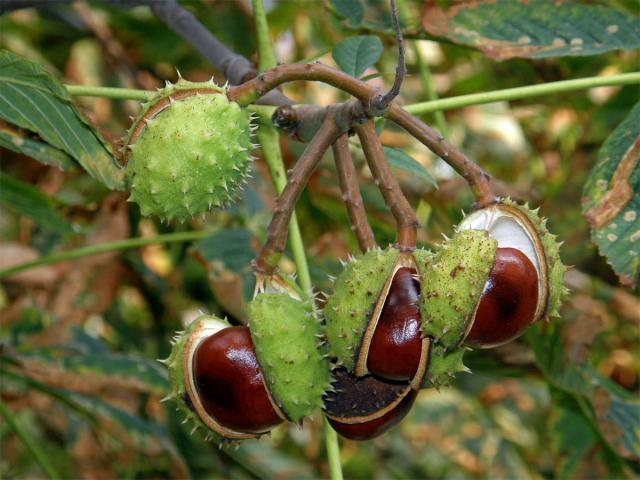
x=507 y=230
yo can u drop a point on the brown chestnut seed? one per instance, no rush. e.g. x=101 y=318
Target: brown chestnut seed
x=396 y=346
x=365 y=407
x=508 y=302
x=376 y=427
x=230 y=384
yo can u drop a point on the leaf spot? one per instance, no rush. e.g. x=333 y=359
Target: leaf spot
x=620 y=191
x=558 y=42
x=576 y=41
x=612 y=237
x=630 y=216
x=612 y=28
x=635 y=236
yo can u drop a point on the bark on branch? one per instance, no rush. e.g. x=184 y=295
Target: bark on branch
x=348 y=180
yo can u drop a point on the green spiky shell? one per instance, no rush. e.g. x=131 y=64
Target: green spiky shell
x=452 y=284
x=176 y=375
x=443 y=365
x=348 y=309
x=191 y=156
x=556 y=269
x=424 y=258
x=287 y=337
x=356 y=291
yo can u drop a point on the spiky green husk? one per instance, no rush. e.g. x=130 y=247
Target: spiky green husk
x=288 y=336
x=557 y=290
x=348 y=310
x=443 y=366
x=423 y=258
x=451 y=286
x=176 y=376
x=190 y=157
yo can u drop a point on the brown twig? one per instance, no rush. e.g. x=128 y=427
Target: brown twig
x=407 y=222
x=380 y=102
x=478 y=179
x=300 y=123
x=267 y=261
x=255 y=88
x=348 y=180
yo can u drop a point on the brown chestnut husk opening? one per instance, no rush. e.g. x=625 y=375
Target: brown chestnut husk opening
x=230 y=384
x=517 y=290
x=218 y=382
x=508 y=302
x=361 y=408
x=393 y=347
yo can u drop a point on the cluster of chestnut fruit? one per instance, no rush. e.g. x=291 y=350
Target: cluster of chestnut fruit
x=396 y=322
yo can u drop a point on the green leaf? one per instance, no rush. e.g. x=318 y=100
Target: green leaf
x=103 y=415
x=40 y=151
x=369 y=15
x=397 y=158
x=371 y=76
x=618 y=415
x=562 y=366
x=613 y=413
x=93 y=407
x=352 y=10
x=32 y=99
x=230 y=247
x=573 y=438
x=355 y=54
x=505 y=29
x=611 y=199
x=27 y=200
x=265 y=461
x=125 y=371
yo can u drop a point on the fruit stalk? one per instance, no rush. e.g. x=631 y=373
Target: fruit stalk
x=255 y=88
x=347 y=178
x=380 y=102
x=251 y=90
x=405 y=217
x=269 y=256
x=478 y=179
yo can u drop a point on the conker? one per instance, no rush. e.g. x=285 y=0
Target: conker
x=508 y=302
x=373 y=322
x=396 y=345
x=376 y=427
x=230 y=384
x=361 y=408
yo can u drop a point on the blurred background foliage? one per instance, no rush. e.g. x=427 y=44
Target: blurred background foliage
x=78 y=339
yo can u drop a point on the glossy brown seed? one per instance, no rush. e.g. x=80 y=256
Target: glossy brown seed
x=372 y=428
x=230 y=383
x=395 y=349
x=361 y=408
x=508 y=302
